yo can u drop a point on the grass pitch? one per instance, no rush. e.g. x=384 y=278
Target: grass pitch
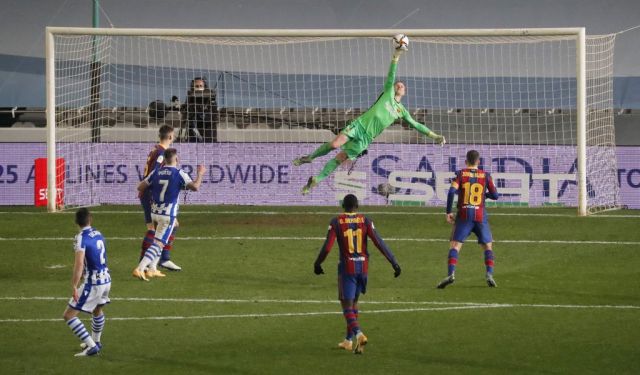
x=247 y=301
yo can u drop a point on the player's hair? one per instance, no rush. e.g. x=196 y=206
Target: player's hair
x=164 y=132
x=350 y=203
x=83 y=217
x=472 y=157
x=169 y=154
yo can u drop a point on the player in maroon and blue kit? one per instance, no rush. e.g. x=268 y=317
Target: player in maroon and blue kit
x=155 y=159
x=473 y=186
x=351 y=231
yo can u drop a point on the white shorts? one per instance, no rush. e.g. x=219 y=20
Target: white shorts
x=164 y=227
x=91 y=296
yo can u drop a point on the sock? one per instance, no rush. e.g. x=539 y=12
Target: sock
x=321 y=151
x=488 y=261
x=78 y=329
x=328 y=168
x=149 y=257
x=147 y=241
x=97 y=325
x=166 y=250
x=153 y=266
x=453 y=260
x=352 y=321
x=349 y=332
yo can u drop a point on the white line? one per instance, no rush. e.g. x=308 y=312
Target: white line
x=282 y=238
x=331 y=302
x=272 y=315
x=329 y=213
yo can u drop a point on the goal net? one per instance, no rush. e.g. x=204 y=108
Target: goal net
x=542 y=127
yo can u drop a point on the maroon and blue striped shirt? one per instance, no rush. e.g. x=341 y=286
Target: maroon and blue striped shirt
x=351 y=231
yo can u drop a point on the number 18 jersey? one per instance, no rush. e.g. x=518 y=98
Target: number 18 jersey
x=471 y=184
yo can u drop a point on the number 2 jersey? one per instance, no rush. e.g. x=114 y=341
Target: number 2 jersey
x=473 y=186
x=91 y=242
x=351 y=231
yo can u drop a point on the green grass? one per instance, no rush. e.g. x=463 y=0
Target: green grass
x=548 y=323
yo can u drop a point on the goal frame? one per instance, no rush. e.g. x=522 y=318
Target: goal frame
x=578 y=33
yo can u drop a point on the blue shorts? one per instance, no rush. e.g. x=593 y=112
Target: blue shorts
x=350 y=286
x=462 y=230
x=145 y=201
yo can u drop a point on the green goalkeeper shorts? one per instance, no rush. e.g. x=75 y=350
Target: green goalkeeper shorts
x=357 y=142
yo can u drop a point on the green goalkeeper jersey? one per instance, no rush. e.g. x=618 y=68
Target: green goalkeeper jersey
x=386 y=110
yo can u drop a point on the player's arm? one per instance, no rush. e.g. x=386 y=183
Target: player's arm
x=146 y=182
x=422 y=128
x=193 y=185
x=492 y=192
x=382 y=246
x=393 y=67
x=453 y=190
x=78 y=266
x=325 y=249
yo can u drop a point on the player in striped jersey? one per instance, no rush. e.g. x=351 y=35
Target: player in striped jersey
x=93 y=294
x=155 y=160
x=165 y=183
x=473 y=186
x=351 y=230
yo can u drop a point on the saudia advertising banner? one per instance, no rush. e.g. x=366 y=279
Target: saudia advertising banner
x=262 y=174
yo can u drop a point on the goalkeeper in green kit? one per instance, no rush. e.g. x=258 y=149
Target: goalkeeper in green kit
x=357 y=136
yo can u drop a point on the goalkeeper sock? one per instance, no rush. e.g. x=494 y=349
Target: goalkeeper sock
x=321 y=151
x=488 y=261
x=328 y=168
x=453 y=261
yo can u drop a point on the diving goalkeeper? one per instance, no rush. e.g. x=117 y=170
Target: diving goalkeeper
x=357 y=136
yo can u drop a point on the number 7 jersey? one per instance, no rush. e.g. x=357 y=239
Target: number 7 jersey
x=471 y=185
x=351 y=231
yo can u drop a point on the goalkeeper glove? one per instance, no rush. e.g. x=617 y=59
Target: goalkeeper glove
x=440 y=139
x=317 y=269
x=396 y=270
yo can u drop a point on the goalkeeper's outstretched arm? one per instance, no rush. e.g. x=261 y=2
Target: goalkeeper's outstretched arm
x=422 y=128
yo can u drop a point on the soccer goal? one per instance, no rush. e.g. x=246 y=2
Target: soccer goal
x=536 y=104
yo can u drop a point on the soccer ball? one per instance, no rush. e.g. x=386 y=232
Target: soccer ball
x=385 y=189
x=401 y=41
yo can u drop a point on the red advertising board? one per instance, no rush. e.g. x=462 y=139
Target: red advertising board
x=40 y=182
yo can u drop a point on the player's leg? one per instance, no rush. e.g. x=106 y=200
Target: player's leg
x=145 y=202
x=325 y=172
x=485 y=239
x=87 y=300
x=164 y=228
x=347 y=287
x=360 y=340
x=324 y=149
x=165 y=257
x=460 y=232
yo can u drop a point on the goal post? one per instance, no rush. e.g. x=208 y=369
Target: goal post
x=499 y=90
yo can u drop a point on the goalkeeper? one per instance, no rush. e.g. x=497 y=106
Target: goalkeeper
x=357 y=136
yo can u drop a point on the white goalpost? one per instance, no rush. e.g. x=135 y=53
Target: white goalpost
x=536 y=103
